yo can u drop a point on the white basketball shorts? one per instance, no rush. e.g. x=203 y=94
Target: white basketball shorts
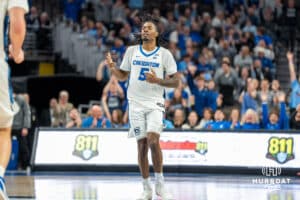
x=143 y=120
x=7 y=108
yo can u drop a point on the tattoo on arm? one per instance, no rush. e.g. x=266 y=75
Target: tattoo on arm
x=171 y=82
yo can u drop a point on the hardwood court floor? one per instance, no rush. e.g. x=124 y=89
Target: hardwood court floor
x=127 y=187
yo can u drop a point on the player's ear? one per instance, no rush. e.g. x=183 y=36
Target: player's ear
x=156 y=34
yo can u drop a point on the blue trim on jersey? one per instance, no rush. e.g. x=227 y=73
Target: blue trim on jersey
x=147 y=55
x=10 y=88
x=5 y=35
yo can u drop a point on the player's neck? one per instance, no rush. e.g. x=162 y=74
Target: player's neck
x=149 y=46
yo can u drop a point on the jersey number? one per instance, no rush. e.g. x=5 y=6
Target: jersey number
x=142 y=75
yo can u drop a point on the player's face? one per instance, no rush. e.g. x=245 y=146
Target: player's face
x=149 y=32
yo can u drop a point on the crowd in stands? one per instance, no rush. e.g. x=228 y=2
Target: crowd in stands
x=225 y=52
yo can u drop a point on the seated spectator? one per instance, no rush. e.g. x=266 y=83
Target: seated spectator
x=235 y=119
x=62 y=109
x=219 y=122
x=96 y=119
x=192 y=122
x=75 y=119
x=47 y=116
x=250 y=120
x=243 y=59
x=179 y=118
x=117 y=119
x=256 y=71
x=272 y=120
x=207 y=117
x=276 y=90
x=264 y=90
x=112 y=97
x=295 y=119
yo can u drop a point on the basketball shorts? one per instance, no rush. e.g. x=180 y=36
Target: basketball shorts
x=143 y=120
x=7 y=107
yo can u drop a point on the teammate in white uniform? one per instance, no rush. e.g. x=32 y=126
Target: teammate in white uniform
x=147 y=64
x=16 y=10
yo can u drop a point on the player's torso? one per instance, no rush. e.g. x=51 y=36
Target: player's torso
x=141 y=63
x=3 y=9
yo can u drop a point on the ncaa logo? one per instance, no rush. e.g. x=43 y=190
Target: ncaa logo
x=137 y=131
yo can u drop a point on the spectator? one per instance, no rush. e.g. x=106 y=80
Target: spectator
x=20 y=127
x=62 y=109
x=117 y=119
x=250 y=98
x=264 y=90
x=103 y=11
x=256 y=71
x=295 y=85
x=112 y=97
x=177 y=99
x=295 y=119
x=192 y=122
x=290 y=15
x=198 y=91
x=250 y=120
x=96 y=120
x=72 y=8
x=243 y=59
x=219 y=122
x=179 y=118
x=34 y=121
x=227 y=82
x=207 y=117
x=75 y=119
x=47 y=115
x=272 y=120
x=235 y=119
x=32 y=20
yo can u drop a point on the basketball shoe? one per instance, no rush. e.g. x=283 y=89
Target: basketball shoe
x=3 y=195
x=161 y=191
x=147 y=193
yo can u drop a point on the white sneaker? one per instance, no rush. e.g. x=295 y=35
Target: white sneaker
x=3 y=195
x=147 y=193
x=161 y=191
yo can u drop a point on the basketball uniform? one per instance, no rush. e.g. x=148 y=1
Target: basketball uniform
x=7 y=106
x=146 y=100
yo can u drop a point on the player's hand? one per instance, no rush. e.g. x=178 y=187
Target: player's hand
x=109 y=61
x=18 y=56
x=151 y=77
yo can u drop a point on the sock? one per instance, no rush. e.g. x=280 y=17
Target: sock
x=159 y=176
x=2 y=171
x=147 y=182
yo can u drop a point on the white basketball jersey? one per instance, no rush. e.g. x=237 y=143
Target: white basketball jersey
x=138 y=62
x=5 y=5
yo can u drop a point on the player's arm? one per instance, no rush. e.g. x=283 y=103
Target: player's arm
x=17 y=31
x=171 y=82
x=120 y=74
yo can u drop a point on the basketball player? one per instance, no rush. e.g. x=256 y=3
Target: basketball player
x=147 y=64
x=16 y=10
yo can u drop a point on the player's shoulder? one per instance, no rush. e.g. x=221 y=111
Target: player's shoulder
x=132 y=47
x=165 y=51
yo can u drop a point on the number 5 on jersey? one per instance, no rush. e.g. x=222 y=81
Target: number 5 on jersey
x=142 y=75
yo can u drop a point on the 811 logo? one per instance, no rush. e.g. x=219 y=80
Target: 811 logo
x=201 y=148
x=281 y=149
x=86 y=146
